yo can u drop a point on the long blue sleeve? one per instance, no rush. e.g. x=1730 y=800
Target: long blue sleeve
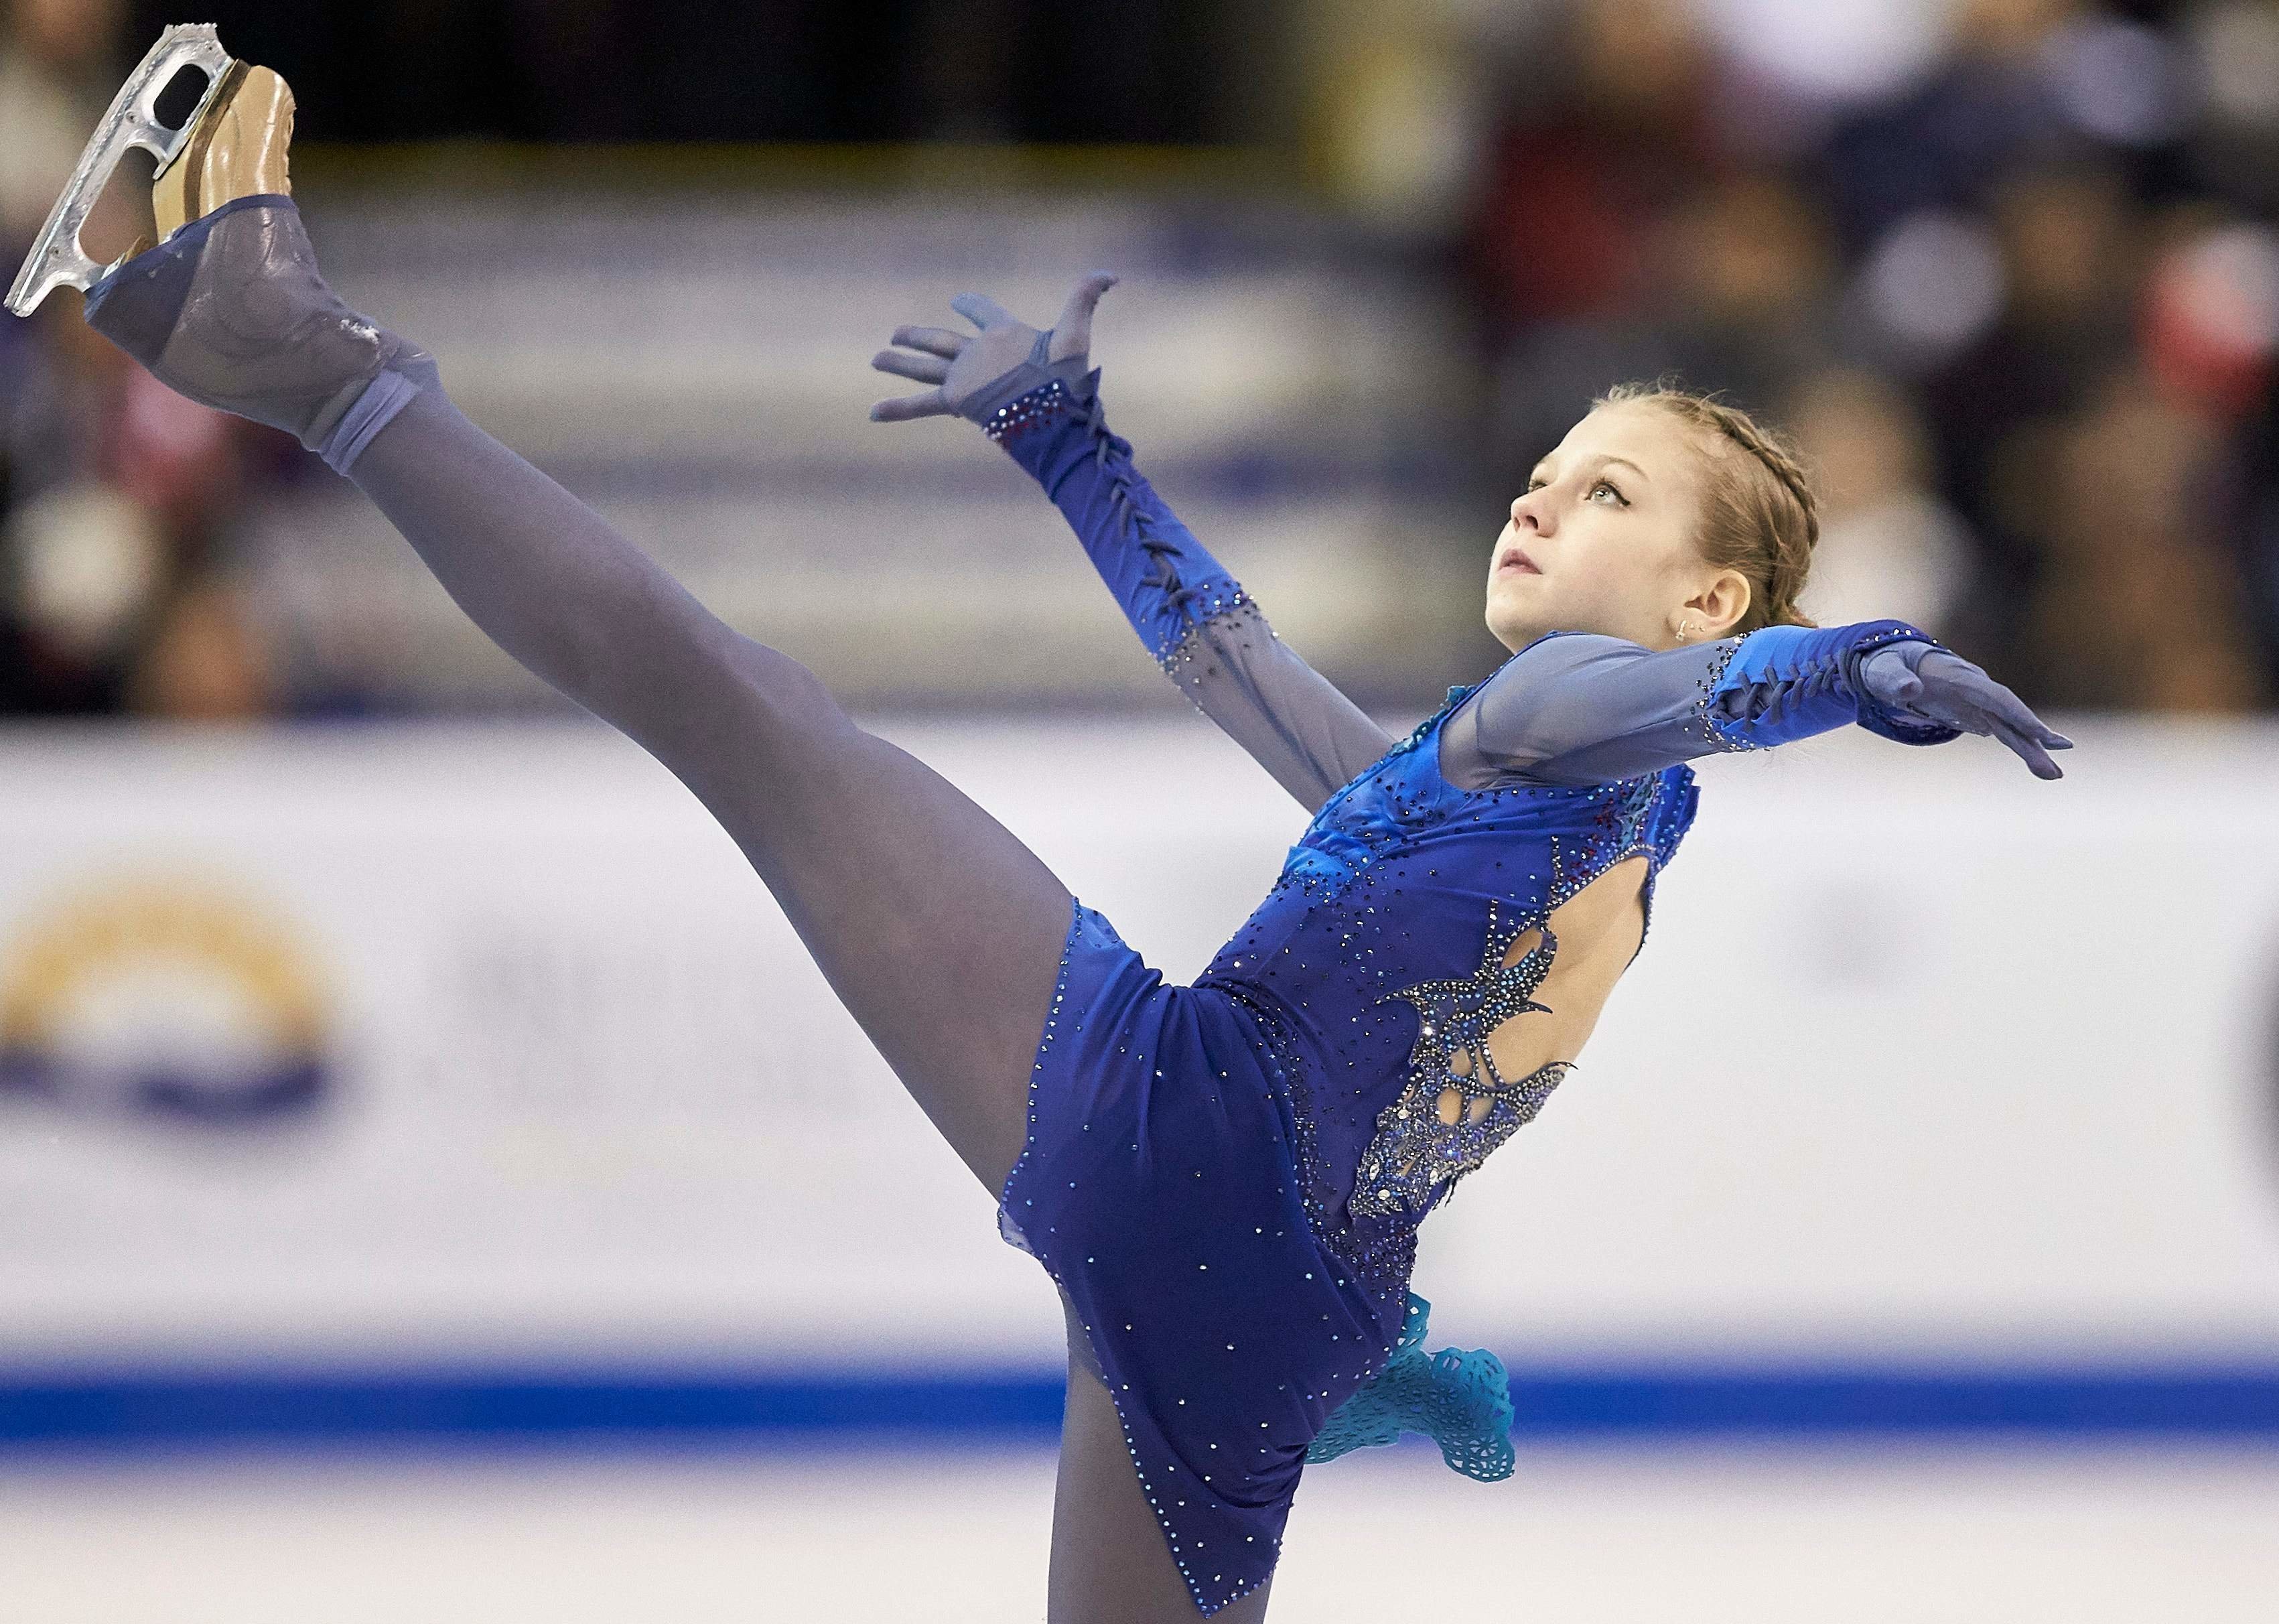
x=1581 y=708
x=1194 y=617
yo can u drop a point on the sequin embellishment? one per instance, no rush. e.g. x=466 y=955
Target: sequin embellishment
x=1714 y=727
x=1038 y=408
x=1418 y=1150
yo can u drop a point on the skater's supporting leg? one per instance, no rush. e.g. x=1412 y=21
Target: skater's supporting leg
x=941 y=931
x=1111 y=1564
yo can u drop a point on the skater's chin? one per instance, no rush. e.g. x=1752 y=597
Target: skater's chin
x=1517 y=612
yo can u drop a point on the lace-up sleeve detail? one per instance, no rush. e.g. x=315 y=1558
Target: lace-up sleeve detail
x=1578 y=708
x=1202 y=628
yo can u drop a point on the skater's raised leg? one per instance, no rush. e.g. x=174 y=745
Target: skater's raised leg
x=939 y=929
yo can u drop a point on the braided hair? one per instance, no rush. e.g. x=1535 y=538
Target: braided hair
x=1761 y=516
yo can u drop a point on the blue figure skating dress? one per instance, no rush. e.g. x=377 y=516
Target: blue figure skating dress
x=1226 y=1179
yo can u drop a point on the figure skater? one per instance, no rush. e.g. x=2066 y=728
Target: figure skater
x=1224 y=1180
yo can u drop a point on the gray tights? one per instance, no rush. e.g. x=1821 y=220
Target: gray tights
x=937 y=928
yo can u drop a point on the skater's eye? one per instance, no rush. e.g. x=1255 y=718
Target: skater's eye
x=1594 y=494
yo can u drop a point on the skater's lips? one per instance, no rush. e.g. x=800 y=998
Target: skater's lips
x=1515 y=560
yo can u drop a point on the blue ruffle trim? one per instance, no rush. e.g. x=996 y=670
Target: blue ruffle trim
x=1459 y=1398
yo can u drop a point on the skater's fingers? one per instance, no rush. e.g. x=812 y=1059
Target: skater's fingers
x=2008 y=711
x=924 y=368
x=2013 y=711
x=933 y=340
x=1992 y=707
x=983 y=312
x=931 y=403
x=2029 y=750
x=1072 y=333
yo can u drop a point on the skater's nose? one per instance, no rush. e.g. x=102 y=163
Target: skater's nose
x=1530 y=511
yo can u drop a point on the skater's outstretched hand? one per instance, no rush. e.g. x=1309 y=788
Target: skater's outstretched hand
x=975 y=376
x=1941 y=686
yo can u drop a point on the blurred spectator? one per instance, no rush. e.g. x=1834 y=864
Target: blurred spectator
x=59 y=71
x=1751 y=265
x=1973 y=257
x=2069 y=269
x=2235 y=149
x=1604 y=138
x=2139 y=607
x=206 y=660
x=2006 y=268
x=119 y=490
x=1888 y=545
x=1607 y=129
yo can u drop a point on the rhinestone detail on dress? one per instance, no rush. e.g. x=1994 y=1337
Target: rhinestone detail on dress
x=1418 y=1150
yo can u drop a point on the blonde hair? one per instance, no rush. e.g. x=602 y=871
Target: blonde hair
x=1762 y=516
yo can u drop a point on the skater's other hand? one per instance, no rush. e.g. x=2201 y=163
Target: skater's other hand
x=1943 y=687
x=974 y=375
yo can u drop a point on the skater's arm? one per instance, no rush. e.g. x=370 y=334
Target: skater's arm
x=232 y=313
x=1202 y=628
x=1034 y=394
x=1580 y=708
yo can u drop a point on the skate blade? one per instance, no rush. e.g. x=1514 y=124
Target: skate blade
x=57 y=259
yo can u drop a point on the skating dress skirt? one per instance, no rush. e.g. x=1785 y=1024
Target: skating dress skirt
x=1226 y=1179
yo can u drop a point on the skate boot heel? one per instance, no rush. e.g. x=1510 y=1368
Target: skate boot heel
x=236 y=149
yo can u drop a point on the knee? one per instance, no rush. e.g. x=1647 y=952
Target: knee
x=788 y=705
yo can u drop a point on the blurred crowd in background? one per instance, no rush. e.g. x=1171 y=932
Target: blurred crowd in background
x=2013 y=287
x=2006 y=270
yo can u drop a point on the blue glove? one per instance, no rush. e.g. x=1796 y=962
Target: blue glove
x=1004 y=361
x=1939 y=686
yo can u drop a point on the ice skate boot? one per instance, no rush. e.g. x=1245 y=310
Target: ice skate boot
x=229 y=309
x=236 y=149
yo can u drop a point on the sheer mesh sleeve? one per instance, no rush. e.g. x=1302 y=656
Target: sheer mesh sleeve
x=1202 y=628
x=1581 y=708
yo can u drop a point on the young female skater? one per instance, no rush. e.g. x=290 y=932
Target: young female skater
x=1225 y=1180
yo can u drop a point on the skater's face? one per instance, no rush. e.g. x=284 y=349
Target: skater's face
x=1602 y=538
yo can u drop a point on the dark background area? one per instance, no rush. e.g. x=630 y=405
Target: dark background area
x=687 y=70
x=2016 y=297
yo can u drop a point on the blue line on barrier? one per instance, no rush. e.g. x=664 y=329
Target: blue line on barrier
x=252 y=1408
x=2231 y=1403
x=221 y=1407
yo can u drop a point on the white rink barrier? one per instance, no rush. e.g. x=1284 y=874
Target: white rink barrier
x=423 y=1048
